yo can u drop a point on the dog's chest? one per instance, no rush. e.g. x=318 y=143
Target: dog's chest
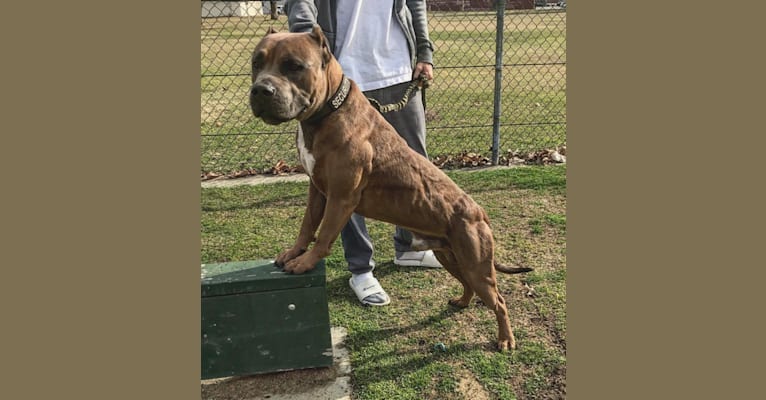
x=304 y=153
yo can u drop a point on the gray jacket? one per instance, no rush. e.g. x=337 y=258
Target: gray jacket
x=303 y=14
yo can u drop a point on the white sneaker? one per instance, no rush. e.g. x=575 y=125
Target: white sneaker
x=417 y=259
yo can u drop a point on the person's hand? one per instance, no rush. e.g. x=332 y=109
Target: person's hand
x=424 y=69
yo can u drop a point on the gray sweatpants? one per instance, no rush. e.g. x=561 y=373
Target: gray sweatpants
x=410 y=123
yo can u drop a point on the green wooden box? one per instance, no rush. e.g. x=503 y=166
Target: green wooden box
x=257 y=319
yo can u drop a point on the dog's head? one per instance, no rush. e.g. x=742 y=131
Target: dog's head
x=290 y=75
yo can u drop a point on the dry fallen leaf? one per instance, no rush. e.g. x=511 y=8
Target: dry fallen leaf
x=530 y=290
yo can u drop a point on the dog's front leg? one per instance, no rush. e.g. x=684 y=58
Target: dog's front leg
x=338 y=210
x=311 y=219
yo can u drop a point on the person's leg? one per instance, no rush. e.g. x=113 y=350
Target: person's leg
x=358 y=250
x=357 y=246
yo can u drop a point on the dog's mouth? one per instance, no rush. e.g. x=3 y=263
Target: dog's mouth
x=272 y=113
x=271 y=119
x=279 y=108
x=301 y=113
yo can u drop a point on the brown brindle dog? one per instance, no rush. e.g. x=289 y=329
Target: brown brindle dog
x=358 y=163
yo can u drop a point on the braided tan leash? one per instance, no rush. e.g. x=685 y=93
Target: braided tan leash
x=415 y=84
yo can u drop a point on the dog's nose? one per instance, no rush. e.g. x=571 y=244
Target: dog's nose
x=262 y=89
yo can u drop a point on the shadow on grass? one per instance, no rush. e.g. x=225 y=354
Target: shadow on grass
x=378 y=359
x=395 y=364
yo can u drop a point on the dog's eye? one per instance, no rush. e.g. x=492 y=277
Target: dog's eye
x=292 y=66
x=257 y=60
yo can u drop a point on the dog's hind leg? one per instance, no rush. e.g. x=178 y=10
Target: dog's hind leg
x=486 y=289
x=447 y=259
x=474 y=251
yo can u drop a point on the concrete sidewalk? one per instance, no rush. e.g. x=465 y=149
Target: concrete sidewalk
x=255 y=180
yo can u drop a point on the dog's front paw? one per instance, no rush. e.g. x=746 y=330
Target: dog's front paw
x=300 y=264
x=288 y=255
x=506 y=345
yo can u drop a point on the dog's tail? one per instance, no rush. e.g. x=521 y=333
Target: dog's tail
x=511 y=270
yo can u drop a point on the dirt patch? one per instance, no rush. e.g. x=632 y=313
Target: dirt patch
x=470 y=388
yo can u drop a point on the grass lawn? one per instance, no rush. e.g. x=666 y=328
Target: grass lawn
x=392 y=348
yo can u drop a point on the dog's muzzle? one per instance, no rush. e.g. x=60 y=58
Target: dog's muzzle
x=268 y=104
x=275 y=100
x=262 y=89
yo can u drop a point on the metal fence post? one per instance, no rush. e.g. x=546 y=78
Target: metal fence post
x=498 y=81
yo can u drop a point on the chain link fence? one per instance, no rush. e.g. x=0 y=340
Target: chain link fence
x=509 y=97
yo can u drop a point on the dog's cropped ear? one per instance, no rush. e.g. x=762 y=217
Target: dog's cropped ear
x=318 y=36
x=271 y=30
